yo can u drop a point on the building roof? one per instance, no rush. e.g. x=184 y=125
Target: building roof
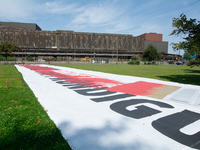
x=19 y=26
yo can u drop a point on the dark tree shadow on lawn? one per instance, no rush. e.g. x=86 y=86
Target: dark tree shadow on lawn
x=186 y=79
x=84 y=139
x=192 y=71
x=18 y=138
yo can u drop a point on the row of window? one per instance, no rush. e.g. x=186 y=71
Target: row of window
x=71 y=41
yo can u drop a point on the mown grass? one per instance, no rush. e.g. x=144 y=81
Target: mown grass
x=174 y=73
x=24 y=123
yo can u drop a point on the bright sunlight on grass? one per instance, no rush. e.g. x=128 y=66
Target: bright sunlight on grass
x=24 y=123
x=174 y=73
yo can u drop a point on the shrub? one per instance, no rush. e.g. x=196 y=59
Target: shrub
x=11 y=59
x=2 y=58
x=194 y=62
x=131 y=62
x=134 y=62
x=137 y=62
x=145 y=63
x=7 y=48
x=149 y=63
x=135 y=57
x=29 y=58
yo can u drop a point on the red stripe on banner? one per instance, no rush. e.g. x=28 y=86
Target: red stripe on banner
x=81 y=79
x=136 y=88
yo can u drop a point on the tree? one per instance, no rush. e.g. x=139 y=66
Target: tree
x=151 y=53
x=29 y=58
x=6 y=48
x=191 y=29
x=135 y=57
x=187 y=55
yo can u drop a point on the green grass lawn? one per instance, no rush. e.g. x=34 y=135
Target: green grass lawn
x=174 y=73
x=24 y=123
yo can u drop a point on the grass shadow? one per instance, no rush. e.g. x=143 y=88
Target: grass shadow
x=191 y=71
x=186 y=79
x=19 y=138
x=24 y=122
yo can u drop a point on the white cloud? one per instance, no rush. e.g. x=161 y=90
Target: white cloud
x=93 y=14
x=58 y=7
x=15 y=10
x=107 y=16
x=28 y=10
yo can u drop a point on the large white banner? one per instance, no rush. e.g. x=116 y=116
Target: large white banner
x=101 y=111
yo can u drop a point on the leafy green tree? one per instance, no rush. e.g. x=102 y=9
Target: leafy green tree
x=191 y=29
x=151 y=53
x=6 y=49
x=187 y=55
x=2 y=58
x=29 y=58
x=135 y=57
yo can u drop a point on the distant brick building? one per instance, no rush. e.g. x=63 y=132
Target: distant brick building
x=152 y=37
x=31 y=39
x=156 y=40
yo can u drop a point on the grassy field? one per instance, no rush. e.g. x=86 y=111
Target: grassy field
x=174 y=73
x=24 y=123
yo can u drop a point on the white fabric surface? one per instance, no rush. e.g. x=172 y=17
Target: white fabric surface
x=89 y=125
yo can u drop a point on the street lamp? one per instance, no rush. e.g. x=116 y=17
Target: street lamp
x=25 y=55
x=94 y=57
x=34 y=56
x=117 y=51
x=74 y=47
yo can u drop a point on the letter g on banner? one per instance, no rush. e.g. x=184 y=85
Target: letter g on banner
x=141 y=111
x=170 y=126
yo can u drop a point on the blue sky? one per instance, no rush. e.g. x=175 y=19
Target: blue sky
x=133 y=17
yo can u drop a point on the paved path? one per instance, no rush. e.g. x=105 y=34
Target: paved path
x=96 y=111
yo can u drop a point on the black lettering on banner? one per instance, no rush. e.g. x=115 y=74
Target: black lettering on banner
x=64 y=82
x=55 y=79
x=69 y=85
x=111 y=97
x=171 y=125
x=64 y=78
x=141 y=111
x=85 y=92
x=77 y=87
x=41 y=74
